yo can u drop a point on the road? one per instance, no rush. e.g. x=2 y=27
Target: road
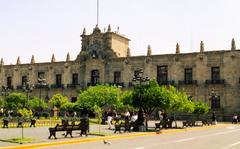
x=214 y=138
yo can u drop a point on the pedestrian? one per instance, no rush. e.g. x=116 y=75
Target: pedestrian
x=126 y=115
x=235 y=119
x=109 y=118
x=160 y=115
x=214 y=120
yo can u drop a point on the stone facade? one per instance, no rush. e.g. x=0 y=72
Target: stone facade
x=211 y=76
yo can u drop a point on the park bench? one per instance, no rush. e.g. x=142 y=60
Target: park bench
x=126 y=126
x=83 y=127
x=164 y=124
x=19 y=122
x=206 y=122
x=188 y=123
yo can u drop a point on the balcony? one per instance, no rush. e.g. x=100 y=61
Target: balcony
x=38 y=86
x=219 y=81
x=19 y=87
x=130 y=84
x=117 y=84
x=57 y=86
x=187 y=82
x=72 y=85
x=167 y=82
x=10 y=87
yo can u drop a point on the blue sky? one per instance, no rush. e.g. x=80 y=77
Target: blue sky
x=43 y=27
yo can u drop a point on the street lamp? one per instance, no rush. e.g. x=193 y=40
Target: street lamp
x=27 y=87
x=139 y=81
x=4 y=92
x=138 y=77
x=41 y=83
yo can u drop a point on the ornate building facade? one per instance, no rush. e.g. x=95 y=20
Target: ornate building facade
x=211 y=76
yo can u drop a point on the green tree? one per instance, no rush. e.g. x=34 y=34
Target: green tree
x=15 y=101
x=58 y=100
x=1 y=102
x=200 y=108
x=68 y=107
x=37 y=105
x=101 y=96
x=149 y=97
x=25 y=112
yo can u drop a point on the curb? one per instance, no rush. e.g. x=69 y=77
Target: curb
x=122 y=136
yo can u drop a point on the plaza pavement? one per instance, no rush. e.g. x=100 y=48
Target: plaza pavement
x=40 y=135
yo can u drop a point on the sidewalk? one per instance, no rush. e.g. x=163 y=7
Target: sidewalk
x=40 y=134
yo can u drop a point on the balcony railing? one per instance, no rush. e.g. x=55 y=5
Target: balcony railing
x=167 y=82
x=19 y=87
x=72 y=85
x=10 y=87
x=38 y=86
x=187 y=82
x=219 y=81
x=117 y=84
x=57 y=86
x=130 y=84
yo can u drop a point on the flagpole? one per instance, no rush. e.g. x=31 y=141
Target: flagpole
x=97 y=11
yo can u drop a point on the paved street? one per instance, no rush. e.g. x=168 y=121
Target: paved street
x=227 y=137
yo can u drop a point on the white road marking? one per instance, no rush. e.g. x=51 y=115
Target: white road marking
x=183 y=140
x=139 y=148
x=225 y=132
x=231 y=127
x=232 y=145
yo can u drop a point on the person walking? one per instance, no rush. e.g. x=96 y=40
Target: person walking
x=109 y=118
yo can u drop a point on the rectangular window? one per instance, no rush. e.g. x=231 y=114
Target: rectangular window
x=24 y=80
x=215 y=102
x=41 y=75
x=188 y=74
x=9 y=82
x=73 y=99
x=58 y=79
x=74 y=78
x=117 y=77
x=162 y=74
x=215 y=73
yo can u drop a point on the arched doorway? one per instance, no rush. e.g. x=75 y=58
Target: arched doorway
x=94 y=77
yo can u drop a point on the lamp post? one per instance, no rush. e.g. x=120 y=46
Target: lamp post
x=4 y=92
x=213 y=96
x=138 y=77
x=27 y=88
x=41 y=83
x=140 y=81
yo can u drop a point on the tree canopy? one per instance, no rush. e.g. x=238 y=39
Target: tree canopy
x=58 y=100
x=101 y=96
x=37 y=105
x=15 y=101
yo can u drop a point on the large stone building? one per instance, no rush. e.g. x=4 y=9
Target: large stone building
x=211 y=76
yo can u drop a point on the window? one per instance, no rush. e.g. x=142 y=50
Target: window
x=188 y=74
x=41 y=75
x=215 y=73
x=215 y=102
x=9 y=82
x=74 y=78
x=24 y=80
x=58 y=79
x=73 y=99
x=117 y=77
x=162 y=74
x=94 y=77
